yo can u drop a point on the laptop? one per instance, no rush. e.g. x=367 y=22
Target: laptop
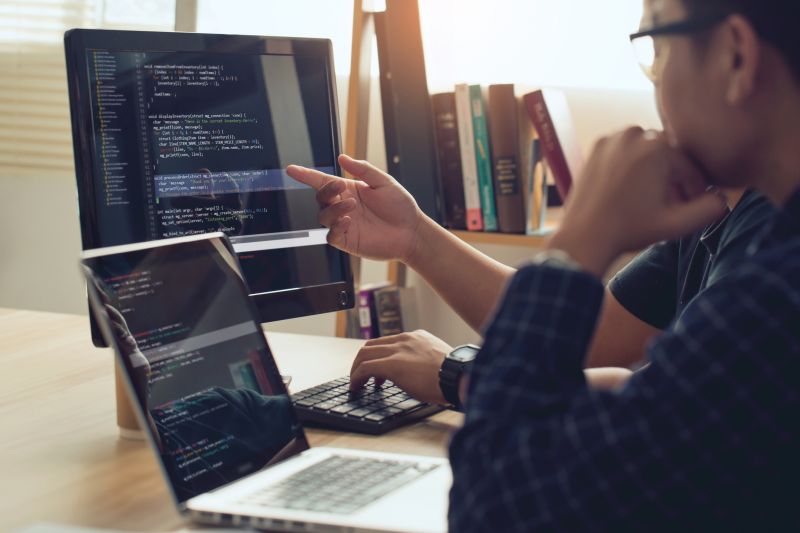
x=208 y=393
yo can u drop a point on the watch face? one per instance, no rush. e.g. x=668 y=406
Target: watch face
x=464 y=354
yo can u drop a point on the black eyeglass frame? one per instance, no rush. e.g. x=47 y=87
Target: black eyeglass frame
x=681 y=26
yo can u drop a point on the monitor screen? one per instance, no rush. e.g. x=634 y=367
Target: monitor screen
x=197 y=362
x=182 y=134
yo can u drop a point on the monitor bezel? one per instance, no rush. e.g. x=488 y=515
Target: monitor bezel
x=279 y=305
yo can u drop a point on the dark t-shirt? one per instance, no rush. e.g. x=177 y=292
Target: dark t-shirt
x=658 y=284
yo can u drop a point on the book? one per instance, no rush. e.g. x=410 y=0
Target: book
x=483 y=157
x=469 y=165
x=388 y=311
x=510 y=142
x=367 y=317
x=536 y=190
x=549 y=112
x=449 y=155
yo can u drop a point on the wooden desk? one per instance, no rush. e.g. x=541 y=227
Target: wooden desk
x=61 y=459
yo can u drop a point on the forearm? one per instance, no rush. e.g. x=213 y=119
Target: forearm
x=620 y=337
x=596 y=378
x=468 y=280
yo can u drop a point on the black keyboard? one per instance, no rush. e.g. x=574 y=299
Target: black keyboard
x=372 y=409
x=339 y=484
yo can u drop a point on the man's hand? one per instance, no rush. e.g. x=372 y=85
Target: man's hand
x=636 y=190
x=411 y=360
x=372 y=216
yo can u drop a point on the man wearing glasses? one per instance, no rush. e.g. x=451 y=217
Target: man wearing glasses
x=705 y=436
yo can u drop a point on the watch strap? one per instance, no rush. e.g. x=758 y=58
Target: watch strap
x=451 y=371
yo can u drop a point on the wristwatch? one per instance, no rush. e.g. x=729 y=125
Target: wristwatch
x=456 y=364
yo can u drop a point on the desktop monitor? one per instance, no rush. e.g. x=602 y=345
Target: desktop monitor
x=177 y=134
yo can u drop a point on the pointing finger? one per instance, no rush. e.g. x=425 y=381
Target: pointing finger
x=309 y=176
x=364 y=171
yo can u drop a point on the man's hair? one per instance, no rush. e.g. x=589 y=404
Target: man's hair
x=776 y=21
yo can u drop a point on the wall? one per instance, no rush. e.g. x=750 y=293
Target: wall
x=41 y=240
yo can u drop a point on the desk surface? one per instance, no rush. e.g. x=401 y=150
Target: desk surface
x=61 y=459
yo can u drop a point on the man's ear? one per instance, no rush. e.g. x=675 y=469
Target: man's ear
x=741 y=49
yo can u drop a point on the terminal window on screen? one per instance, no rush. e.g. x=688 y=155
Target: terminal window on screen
x=199 y=365
x=188 y=143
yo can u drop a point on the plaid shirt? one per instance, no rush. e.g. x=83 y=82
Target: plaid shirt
x=705 y=436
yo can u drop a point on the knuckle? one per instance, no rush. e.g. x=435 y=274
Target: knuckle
x=601 y=143
x=632 y=132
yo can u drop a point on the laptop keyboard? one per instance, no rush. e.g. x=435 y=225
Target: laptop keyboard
x=339 y=484
x=371 y=409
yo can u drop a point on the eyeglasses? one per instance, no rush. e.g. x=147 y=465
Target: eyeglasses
x=652 y=52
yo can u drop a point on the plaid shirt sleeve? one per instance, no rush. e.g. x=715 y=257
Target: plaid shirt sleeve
x=706 y=434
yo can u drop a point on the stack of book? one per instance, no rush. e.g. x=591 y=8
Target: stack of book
x=497 y=152
x=384 y=309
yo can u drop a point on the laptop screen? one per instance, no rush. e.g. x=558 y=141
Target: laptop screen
x=202 y=372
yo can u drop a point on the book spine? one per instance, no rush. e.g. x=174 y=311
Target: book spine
x=530 y=190
x=483 y=157
x=553 y=153
x=388 y=311
x=545 y=172
x=469 y=168
x=508 y=164
x=365 y=330
x=444 y=115
x=537 y=190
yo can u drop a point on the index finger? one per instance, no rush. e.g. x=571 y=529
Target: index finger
x=308 y=176
x=687 y=175
x=378 y=369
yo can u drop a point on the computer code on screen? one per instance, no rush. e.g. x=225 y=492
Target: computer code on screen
x=189 y=143
x=197 y=362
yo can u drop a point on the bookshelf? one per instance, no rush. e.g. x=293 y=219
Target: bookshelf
x=355 y=144
x=502 y=239
x=510 y=239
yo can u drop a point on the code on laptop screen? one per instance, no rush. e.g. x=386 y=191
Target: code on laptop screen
x=201 y=370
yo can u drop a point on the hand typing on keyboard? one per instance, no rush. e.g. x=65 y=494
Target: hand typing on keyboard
x=410 y=360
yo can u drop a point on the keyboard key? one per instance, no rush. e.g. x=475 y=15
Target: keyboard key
x=308 y=402
x=408 y=404
x=338 y=484
x=393 y=400
x=343 y=408
x=359 y=413
x=333 y=404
